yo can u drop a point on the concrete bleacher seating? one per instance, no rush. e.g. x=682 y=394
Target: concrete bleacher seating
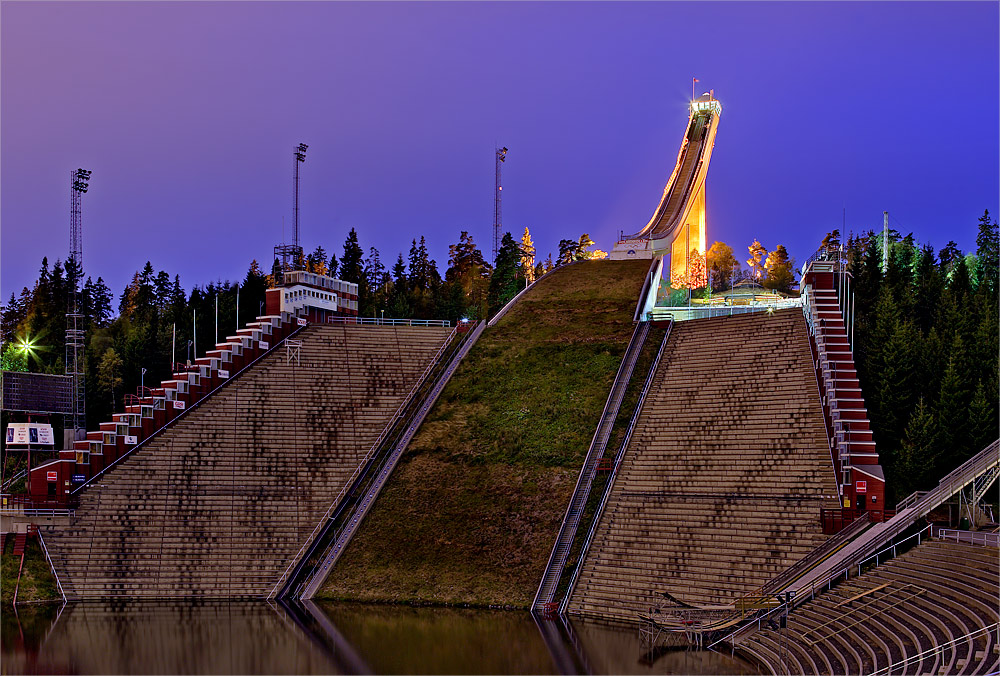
x=721 y=486
x=937 y=592
x=218 y=504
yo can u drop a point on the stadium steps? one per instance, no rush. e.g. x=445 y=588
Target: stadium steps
x=723 y=478
x=581 y=492
x=217 y=504
x=938 y=594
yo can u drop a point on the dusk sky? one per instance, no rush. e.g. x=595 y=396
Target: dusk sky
x=187 y=114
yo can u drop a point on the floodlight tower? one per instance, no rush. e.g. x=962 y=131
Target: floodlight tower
x=75 y=363
x=293 y=252
x=300 y=157
x=497 y=220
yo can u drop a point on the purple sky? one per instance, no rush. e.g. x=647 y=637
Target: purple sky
x=187 y=114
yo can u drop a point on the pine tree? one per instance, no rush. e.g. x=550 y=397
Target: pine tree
x=918 y=457
x=951 y=410
x=316 y=261
x=779 y=266
x=351 y=263
x=399 y=276
x=982 y=419
x=722 y=265
x=503 y=283
x=988 y=256
x=334 y=263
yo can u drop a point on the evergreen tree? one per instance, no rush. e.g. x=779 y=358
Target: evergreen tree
x=918 y=458
x=334 y=263
x=988 y=256
x=316 y=261
x=951 y=411
x=351 y=263
x=567 y=251
x=778 y=266
x=982 y=419
x=399 y=276
x=504 y=284
x=722 y=265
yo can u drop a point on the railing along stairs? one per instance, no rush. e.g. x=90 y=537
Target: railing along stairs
x=296 y=566
x=571 y=521
x=313 y=557
x=585 y=548
x=410 y=424
x=876 y=541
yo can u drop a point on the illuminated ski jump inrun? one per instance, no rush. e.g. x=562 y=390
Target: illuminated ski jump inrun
x=677 y=227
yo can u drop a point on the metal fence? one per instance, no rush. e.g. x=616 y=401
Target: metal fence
x=383 y=321
x=684 y=313
x=971 y=537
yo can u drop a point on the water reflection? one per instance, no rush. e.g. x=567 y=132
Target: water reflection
x=161 y=638
x=261 y=638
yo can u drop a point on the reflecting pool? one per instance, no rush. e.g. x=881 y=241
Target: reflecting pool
x=329 y=638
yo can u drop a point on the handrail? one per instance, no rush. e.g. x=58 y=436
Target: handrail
x=970 y=536
x=598 y=446
x=614 y=473
x=685 y=313
x=936 y=649
x=910 y=499
x=294 y=562
x=509 y=304
x=382 y=321
x=7 y=484
x=818 y=584
x=48 y=558
x=185 y=411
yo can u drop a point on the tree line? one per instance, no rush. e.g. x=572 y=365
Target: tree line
x=154 y=323
x=926 y=350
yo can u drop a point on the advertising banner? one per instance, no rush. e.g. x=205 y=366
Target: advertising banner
x=223 y=373
x=178 y=404
x=30 y=433
x=264 y=345
x=130 y=439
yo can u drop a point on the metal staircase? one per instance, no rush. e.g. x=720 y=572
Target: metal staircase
x=571 y=522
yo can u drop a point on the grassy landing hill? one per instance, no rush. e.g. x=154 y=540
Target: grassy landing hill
x=473 y=508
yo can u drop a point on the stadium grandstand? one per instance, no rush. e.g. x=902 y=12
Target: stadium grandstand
x=731 y=497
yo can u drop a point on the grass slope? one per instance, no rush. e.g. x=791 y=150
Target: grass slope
x=37 y=582
x=472 y=510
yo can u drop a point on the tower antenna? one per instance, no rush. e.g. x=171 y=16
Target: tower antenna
x=497 y=216
x=79 y=183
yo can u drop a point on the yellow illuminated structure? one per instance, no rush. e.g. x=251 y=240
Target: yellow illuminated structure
x=676 y=230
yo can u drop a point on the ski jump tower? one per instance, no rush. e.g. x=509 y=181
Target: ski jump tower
x=675 y=234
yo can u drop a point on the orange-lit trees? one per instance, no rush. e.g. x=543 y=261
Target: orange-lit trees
x=722 y=265
x=778 y=266
x=758 y=254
